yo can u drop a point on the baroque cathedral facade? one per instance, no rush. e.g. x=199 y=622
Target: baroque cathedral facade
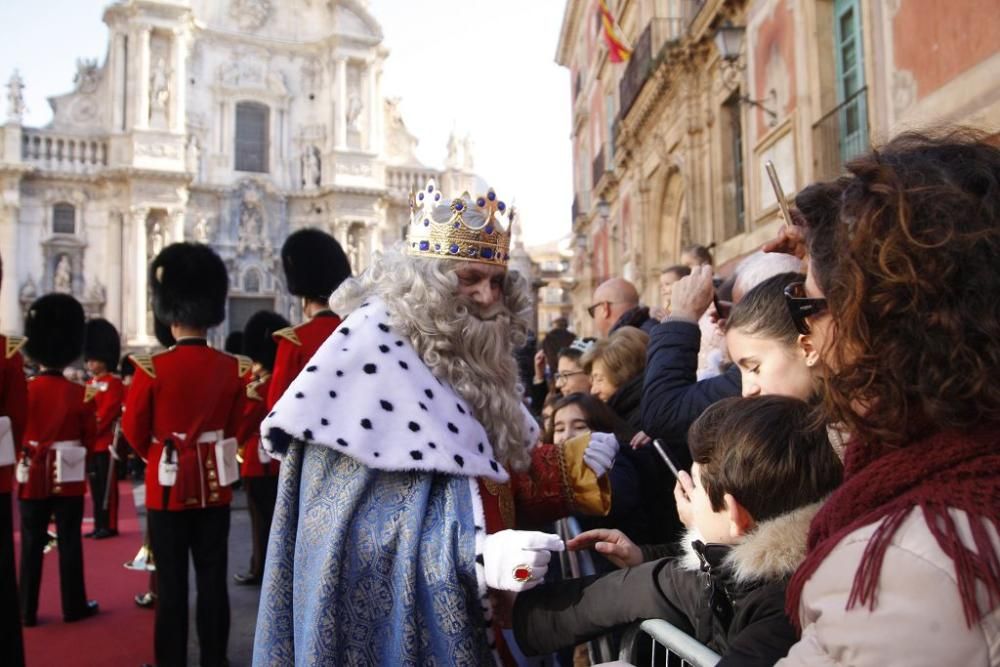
x=227 y=122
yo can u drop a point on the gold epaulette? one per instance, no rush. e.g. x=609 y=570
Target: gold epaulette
x=89 y=392
x=145 y=362
x=243 y=364
x=252 y=392
x=288 y=333
x=14 y=345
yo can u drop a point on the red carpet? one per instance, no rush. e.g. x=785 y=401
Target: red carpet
x=121 y=634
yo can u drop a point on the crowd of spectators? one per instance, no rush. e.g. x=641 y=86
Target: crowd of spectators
x=831 y=406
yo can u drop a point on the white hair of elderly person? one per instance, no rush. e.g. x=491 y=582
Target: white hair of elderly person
x=750 y=272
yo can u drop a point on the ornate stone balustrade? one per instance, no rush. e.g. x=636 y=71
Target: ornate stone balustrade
x=63 y=152
x=403 y=180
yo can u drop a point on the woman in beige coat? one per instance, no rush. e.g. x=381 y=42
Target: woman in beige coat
x=902 y=298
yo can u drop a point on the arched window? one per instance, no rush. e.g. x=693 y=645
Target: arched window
x=63 y=219
x=251 y=281
x=251 y=137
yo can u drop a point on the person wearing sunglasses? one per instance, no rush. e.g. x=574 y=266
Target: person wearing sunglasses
x=902 y=287
x=616 y=305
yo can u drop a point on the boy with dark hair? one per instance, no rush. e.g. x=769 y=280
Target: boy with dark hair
x=761 y=469
x=102 y=345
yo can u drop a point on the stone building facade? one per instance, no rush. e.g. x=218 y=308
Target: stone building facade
x=668 y=147
x=228 y=122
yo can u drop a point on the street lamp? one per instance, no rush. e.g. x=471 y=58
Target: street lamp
x=729 y=41
x=603 y=208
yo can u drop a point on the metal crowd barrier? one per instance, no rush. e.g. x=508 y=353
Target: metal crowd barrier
x=670 y=646
x=579 y=564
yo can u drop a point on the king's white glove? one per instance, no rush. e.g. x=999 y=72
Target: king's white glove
x=516 y=560
x=600 y=453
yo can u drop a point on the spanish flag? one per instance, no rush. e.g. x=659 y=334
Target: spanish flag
x=618 y=52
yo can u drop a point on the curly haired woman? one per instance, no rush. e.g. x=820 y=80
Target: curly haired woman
x=902 y=300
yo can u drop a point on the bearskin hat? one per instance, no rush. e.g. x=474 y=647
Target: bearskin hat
x=163 y=333
x=257 y=341
x=126 y=366
x=234 y=343
x=55 y=328
x=102 y=342
x=190 y=285
x=314 y=264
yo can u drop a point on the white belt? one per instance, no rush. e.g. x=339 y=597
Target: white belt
x=66 y=444
x=207 y=437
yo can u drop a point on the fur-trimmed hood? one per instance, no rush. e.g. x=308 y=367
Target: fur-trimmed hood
x=772 y=551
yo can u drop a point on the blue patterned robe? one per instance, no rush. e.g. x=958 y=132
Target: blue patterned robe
x=369 y=567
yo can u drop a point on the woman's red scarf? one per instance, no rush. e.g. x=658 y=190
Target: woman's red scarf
x=945 y=471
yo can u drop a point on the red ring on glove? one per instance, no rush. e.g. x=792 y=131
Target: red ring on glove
x=522 y=573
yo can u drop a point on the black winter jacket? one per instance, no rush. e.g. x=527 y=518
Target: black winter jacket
x=672 y=396
x=729 y=598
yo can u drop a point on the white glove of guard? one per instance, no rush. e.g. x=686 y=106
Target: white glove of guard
x=511 y=554
x=600 y=453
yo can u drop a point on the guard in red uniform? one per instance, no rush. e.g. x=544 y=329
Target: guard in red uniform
x=258 y=470
x=315 y=265
x=102 y=345
x=13 y=409
x=58 y=437
x=181 y=415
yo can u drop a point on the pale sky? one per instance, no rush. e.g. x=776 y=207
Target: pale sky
x=479 y=66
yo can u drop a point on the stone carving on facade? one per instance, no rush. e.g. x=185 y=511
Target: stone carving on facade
x=350 y=167
x=354 y=243
x=157 y=150
x=193 y=157
x=28 y=291
x=157 y=239
x=203 y=230
x=15 y=97
x=87 y=75
x=159 y=87
x=249 y=72
x=96 y=293
x=904 y=90
x=354 y=109
x=250 y=14
x=62 y=280
x=252 y=235
x=312 y=75
x=311 y=168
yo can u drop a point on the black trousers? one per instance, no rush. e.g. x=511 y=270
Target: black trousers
x=205 y=534
x=262 y=493
x=35 y=516
x=11 y=642
x=104 y=519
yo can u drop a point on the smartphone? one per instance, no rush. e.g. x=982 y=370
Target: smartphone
x=661 y=450
x=722 y=308
x=779 y=193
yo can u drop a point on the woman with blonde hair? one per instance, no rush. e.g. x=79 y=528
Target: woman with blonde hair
x=616 y=366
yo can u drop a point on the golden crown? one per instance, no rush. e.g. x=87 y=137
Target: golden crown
x=475 y=230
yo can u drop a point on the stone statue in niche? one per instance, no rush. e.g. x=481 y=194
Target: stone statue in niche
x=63 y=279
x=310 y=168
x=202 y=230
x=159 y=87
x=354 y=109
x=193 y=156
x=354 y=242
x=15 y=97
x=251 y=233
x=157 y=239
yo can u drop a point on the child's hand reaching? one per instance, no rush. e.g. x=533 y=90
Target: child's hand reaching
x=613 y=544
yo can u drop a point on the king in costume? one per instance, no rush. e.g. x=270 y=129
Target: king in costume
x=408 y=456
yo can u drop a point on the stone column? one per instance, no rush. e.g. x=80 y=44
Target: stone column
x=142 y=89
x=177 y=225
x=114 y=276
x=118 y=69
x=373 y=108
x=140 y=298
x=341 y=104
x=10 y=210
x=179 y=93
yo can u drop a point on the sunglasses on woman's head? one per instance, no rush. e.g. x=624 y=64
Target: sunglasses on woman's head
x=802 y=307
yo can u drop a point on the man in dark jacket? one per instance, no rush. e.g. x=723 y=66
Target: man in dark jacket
x=616 y=305
x=727 y=590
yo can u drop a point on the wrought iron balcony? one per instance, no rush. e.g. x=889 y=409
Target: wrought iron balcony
x=659 y=33
x=841 y=135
